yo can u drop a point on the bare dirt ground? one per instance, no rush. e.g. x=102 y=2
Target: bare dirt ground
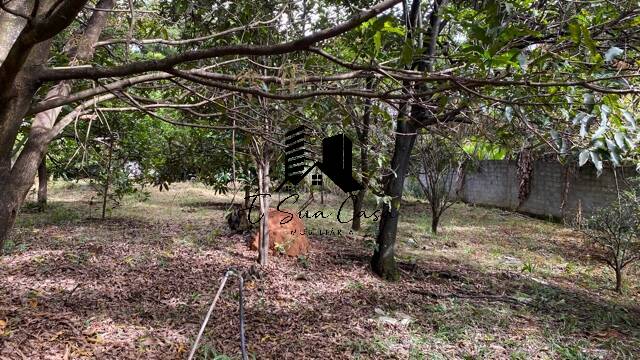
x=136 y=286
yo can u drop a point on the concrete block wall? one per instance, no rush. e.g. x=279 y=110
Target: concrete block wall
x=495 y=183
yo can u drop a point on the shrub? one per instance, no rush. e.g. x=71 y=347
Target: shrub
x=439 y=168
x=613 y=234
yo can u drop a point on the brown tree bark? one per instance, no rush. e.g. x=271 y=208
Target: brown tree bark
x=383 y=261
x=43 y=179
x=107 y=182
x=264 y=183
x=358 y=202
x=618 y=280
x=247 y=193
x=435 y=219
x=12 y=25
x=16 y=179
x=48 y=18
x=262 y=156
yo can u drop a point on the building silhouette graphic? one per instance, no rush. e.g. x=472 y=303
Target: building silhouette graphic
x=336 y=162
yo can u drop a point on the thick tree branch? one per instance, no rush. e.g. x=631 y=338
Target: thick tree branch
x=289 y=96
x=194 y=40
x=85 y=94
x=46 y=26
x=256 y=50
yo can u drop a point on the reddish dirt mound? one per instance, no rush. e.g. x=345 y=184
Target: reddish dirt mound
x=289 y=237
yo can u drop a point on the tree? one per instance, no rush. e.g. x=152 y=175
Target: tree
x=32 y=30
x=26 y=52
x=613 y=234
x=497 y=44
x=364 y=142
x=359 y=112
x=263 y=156
x=439 y=166
x=411 y=117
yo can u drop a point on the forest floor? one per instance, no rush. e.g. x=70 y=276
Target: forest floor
x=492 y=284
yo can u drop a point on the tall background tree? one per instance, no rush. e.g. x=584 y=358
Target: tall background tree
x=34 y=28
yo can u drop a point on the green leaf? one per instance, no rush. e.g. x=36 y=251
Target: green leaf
x=631 y=121
x=583 y=157
x=604 y=115
x=556 y=138
x=388 y=27
x=599 y=133
x=588 y=41
x=578 y=118
x=575 y=32
x=377 y=42
x=589 y=101
x=406 y=56
x=597 y=161
x=564 y=148
x=612 y=53
x=508 y=112
x=615 y=158
x=620 y=140
x=522 y=61
x=585 y=123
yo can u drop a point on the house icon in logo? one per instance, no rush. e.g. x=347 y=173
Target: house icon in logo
x=336 y=160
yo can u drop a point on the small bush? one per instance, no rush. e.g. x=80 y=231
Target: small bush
x=440 y=165
x=613 y=234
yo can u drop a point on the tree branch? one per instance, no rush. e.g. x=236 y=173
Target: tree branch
x=244 y=49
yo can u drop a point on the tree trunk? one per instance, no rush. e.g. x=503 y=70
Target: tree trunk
x=383 y=261
x=435 y=219
x=358 y=201
x=43 y=179
x=618 y=281
x=263 y=184
x=247 y=193
x=8 y=212
x=12 y=25
x=17 y=178
x=16 y=94
x=108 y=180
x=435 y=211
